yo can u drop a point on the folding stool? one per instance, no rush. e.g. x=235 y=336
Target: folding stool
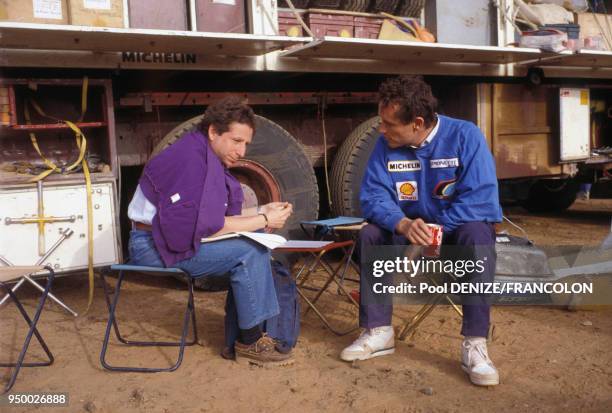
x=112 y=306
x=8 y=274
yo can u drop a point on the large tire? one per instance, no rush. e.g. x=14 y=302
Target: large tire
x=410 y=8
x=551 y=195
x=387 y=6
x=282 y=155
x=349 y=167
x=356 y=5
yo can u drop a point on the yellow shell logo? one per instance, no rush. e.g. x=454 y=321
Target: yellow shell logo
x=407 y=189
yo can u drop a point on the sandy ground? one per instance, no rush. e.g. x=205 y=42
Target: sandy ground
x=550 y=359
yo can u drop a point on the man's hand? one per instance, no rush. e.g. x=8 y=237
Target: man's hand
x=277 y=213
x=416 y=230
x=267 y=208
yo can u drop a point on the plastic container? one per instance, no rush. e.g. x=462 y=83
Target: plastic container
x=288 y=24
x=572 y=30
x=323 y=24
x=367 y=27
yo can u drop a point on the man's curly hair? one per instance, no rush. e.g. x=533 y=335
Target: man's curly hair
x=226 y=111
x=412 y=95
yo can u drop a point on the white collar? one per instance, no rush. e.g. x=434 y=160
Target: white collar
x=430 y=136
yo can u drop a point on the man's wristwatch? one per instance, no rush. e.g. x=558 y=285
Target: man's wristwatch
x=265 y=217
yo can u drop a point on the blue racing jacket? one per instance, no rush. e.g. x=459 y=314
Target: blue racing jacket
x=448 y=181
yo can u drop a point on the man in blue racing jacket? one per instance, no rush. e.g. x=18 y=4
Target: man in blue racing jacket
x=428 y=168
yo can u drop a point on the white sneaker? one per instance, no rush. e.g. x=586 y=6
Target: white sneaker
x=373 y=342
x=583 y=195
x=476 y=363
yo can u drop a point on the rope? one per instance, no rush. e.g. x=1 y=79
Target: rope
x=325 y=163
x=299 y=19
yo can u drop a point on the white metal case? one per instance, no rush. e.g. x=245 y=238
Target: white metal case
x=66 y=203
x=574 y=113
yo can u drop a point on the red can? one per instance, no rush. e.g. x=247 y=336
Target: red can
x=433 y=249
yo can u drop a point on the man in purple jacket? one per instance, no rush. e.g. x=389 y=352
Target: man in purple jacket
x=186 y=193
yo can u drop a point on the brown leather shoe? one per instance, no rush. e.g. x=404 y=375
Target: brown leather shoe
x=262 y=353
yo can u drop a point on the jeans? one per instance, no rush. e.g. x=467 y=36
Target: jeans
x=246 y=263
x=476 y=314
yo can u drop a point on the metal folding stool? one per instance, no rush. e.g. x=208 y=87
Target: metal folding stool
x=314 y=259
x=112 y=306
x=411 y=325
x=8 y=274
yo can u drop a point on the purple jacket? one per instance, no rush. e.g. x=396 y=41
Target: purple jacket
x=192 y=192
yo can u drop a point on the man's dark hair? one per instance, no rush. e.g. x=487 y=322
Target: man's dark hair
x=413 y=96
x=228 y=110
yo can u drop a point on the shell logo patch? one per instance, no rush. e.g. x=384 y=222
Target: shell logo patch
x=407 y=191
x=444 y=189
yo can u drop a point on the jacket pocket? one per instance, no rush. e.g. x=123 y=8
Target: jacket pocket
x=177 y=224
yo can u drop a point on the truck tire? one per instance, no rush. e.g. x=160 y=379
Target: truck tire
x=349 y=167
x=282 y=156
x=410 y=8
x=387 y=6
x=356 y=5
x=551 y=195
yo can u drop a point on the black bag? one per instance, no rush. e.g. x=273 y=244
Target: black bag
x=285 y=327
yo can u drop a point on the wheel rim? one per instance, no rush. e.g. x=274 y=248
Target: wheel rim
x=259 y=182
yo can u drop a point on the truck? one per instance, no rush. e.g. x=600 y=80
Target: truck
x=84 y=107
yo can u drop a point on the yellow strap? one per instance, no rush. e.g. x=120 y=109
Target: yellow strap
x=81 y=143
x=90 y=250
x=52 y=166
x=84 y=98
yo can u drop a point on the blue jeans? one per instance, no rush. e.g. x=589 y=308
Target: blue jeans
x=476 y=314
x=245 y=262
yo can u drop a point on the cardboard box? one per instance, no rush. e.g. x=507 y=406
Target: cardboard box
x=100 y=13
x=391 y=30
x=591 y=26
x=34 y=11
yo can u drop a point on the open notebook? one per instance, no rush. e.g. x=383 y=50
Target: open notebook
x=270 y=241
